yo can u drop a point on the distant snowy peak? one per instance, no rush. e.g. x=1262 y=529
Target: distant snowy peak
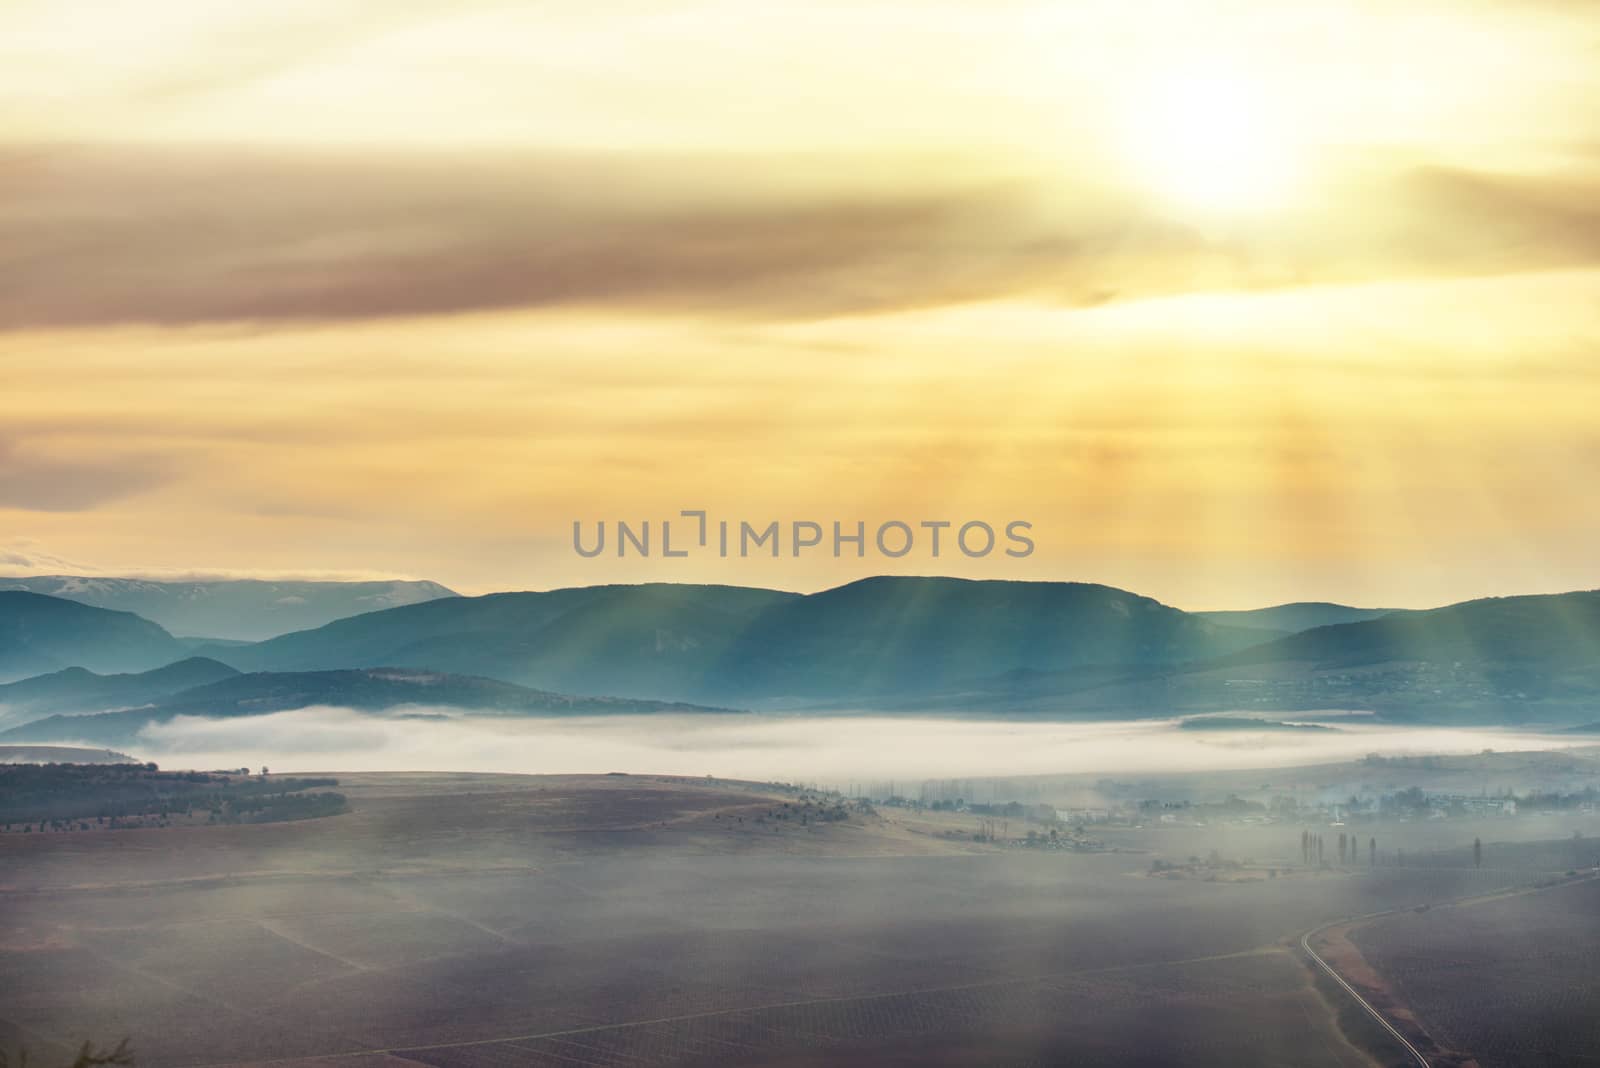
x=239 y=609
x=77 y=587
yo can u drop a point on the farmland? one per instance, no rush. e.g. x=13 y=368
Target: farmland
x=460 y=920
x=1508 y=981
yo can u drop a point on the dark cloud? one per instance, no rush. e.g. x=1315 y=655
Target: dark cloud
x=101 y=236
x=36 y=481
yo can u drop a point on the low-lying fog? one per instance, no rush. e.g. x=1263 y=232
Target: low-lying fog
x=831 y=749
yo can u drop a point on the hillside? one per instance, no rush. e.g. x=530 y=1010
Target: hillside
x=248 y=609
x=378 y=689
x=1533 y=659
x=368 y=690
x=40 y=634
x=78 y=690
x=892 y=643
x=651 y=641
x=1547 y=631
x=1294 y=617
x=722 y=644
x=1509 y=661
x=892 y=635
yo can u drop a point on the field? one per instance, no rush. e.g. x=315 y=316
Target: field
x=458 y=920
x=1507 y=982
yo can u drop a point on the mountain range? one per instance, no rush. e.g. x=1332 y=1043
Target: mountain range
x=40 y=634
x=898 y=644
x=874 y=637
x=240 y=609
x=653 y=641
x=76 y=689
x=369 y=690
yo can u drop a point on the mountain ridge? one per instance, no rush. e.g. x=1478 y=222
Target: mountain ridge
x=381 y=689
x=243 y=608
x=77 y=689
x=979 y=647
x=1294 y=616
x=732 y=643
x=40 y=634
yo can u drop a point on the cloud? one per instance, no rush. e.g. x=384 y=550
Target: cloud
x=1372 y=442
x=35 y=480
x=179 y=236
x=23 y=556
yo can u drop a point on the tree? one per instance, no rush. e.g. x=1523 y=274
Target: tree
x=1477 y=852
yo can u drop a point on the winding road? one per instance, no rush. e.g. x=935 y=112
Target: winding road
x=1305 y=944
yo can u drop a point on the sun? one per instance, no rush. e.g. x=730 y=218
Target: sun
x=1209 y=142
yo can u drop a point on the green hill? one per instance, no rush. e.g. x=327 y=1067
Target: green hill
x=722 y=643
x=368 y=690
x=654 y=641
x=892 y=635
x=40 y=634
x=1548 y=632
x=76 y=689
x=1295 y=617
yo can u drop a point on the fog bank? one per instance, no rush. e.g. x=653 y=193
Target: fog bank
x=813 y=749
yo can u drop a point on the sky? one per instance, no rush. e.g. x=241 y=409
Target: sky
x=1235 y=303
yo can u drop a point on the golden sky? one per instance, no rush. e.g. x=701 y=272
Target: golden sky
x=1237 y=303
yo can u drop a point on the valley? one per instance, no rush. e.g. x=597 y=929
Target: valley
x=458 y=920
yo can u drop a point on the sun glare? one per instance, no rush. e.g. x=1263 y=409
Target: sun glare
x=1209 y=141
